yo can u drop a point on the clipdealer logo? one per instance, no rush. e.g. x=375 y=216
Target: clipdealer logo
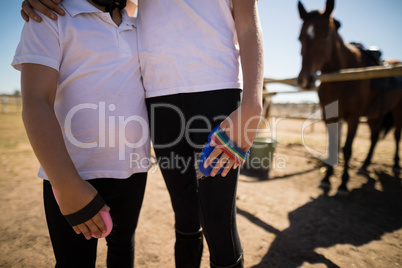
x=110 y=126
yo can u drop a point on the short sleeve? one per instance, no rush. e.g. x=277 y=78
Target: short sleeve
x=39 y=44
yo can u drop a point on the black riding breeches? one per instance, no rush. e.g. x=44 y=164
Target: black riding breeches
x=180 y=125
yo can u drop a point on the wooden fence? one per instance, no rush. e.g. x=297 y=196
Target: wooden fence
x=10 y=104
x=342 y=75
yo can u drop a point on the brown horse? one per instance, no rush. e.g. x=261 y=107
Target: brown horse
x=324 y=50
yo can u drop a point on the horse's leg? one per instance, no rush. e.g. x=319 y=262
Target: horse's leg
x=397 y=168
x=398 y=127
x=375 y=126
x=333 y=129
x=347 y=153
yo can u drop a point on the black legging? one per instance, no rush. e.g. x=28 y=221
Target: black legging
x=124 y=197
x=180 y=125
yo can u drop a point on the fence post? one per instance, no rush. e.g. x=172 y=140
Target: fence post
x=4 y=107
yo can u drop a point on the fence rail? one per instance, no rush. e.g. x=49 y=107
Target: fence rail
x=343 y=75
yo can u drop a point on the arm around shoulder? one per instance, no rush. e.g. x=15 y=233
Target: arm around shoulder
x=45 y=7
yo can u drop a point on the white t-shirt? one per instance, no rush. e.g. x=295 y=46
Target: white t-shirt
x=187 y=46
x=100 y=101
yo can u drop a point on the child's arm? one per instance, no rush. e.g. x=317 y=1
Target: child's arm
x=241 y=126
x=38 y=86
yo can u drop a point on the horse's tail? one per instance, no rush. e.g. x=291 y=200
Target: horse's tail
x=387 y=123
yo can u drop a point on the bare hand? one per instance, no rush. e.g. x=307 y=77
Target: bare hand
x=46 y=7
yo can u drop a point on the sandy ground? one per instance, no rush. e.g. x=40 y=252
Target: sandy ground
x=284 y=221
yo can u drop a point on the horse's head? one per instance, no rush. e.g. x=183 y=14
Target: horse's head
x=317 y=37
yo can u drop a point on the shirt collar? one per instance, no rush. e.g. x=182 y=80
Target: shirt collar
x=76 y=7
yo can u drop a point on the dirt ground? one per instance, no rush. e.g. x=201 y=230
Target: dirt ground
x=284 y=220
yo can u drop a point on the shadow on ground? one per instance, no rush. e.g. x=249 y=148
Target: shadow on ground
x=359 y=218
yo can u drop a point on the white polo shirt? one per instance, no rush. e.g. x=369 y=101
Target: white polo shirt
x=100 y=97
x=187 y=46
